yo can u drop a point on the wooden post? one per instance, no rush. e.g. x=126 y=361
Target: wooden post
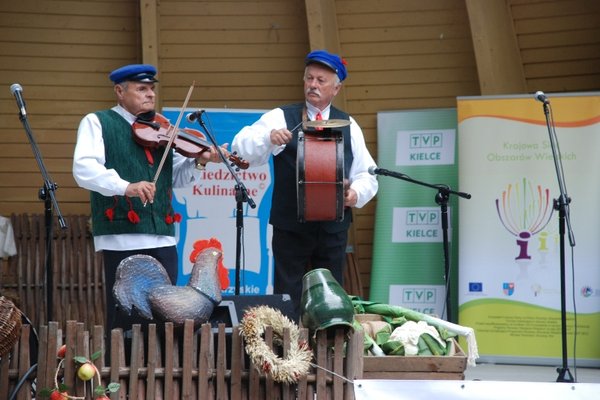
x=150 y=32
x=237 y=364
x=497 y=54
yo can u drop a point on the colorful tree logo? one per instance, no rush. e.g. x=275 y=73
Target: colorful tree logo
x=524 y=211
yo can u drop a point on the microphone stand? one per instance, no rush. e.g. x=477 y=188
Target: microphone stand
x=241 y=196
x=441 y=198
x=562 y=205
x=46 y=193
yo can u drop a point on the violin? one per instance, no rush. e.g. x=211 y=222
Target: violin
x=154 y=130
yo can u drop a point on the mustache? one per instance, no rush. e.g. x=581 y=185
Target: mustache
x=313 y=91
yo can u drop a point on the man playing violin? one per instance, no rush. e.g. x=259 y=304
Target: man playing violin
x=131 y=211
x=297 y=245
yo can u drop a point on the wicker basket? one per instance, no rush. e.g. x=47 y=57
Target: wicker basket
x=10 y=325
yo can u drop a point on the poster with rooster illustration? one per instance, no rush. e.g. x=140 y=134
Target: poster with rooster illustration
x=209 y=207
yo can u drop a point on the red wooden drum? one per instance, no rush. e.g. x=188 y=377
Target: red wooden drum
x=320 y=176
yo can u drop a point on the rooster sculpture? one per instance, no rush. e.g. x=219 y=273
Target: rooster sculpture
x=142 y=284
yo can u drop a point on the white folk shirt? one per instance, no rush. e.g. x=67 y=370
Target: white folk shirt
x=253 y=143
x=91 y=174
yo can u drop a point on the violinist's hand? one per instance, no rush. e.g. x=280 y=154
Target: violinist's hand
x=224 y=150
x=280 y=136
x=212 y=155
x=144 y=190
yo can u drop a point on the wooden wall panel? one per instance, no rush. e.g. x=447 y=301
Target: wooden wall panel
x=241 y=54
x=411 y=43
x=60 y=52
x=559 y=42
x=402 y=54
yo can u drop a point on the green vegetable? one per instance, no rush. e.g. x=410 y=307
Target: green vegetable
x=393 y=348
x=394 y=314
x=423 y=348
x=434 y=346
x=397 y=315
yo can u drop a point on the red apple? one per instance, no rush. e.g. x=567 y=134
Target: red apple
x=86 y=371
x=56 y=395
x=62 y=350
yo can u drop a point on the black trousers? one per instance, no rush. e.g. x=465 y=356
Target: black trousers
x=296 y=253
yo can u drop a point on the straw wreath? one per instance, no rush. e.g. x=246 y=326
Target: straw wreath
x=299 y=356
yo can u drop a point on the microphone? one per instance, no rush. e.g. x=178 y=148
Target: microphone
x=17 y=91
x=193 y=116
x=540 y=96
x=373 y=170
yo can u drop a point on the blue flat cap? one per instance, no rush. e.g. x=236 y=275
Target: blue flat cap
x=332 y=61
x=134 y=72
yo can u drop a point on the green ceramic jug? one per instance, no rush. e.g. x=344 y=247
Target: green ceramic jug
x=324 y=302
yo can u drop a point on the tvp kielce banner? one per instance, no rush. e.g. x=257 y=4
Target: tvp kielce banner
x=509 y=232
x=208 y=208
x=408 y=258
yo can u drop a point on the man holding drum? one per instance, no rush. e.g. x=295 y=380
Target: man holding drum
x=298 y=244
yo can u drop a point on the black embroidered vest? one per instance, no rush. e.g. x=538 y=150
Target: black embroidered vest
x=284 y=208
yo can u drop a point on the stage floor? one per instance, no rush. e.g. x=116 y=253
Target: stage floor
x=527 y=373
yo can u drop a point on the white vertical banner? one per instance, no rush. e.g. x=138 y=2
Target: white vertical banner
x=510 y=244
x=369 y=389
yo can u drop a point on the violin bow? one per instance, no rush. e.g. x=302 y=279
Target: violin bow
x=174 y=129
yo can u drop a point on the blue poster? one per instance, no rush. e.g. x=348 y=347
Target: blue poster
x=209 y=207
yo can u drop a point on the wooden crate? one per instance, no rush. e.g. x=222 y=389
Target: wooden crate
x=416 y=367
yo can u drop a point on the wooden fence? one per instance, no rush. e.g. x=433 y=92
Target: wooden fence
x=177 y=364
x=77 y=293
x=77 y=272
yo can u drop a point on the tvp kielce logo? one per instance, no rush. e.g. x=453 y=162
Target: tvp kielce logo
x=524 y=210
